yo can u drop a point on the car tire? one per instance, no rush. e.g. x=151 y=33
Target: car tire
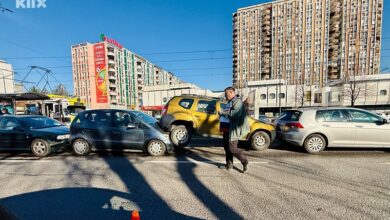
x=314 y=144
x=81 y=147
x=260 y=141
x=40 y=148
x=180 y=136
x=156 y=148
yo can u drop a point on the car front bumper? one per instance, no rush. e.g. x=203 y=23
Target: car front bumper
x=59 y=145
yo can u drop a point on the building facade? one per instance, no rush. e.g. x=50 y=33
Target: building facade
x=107 y=75
x=311 y=42
x=371 y=92
x=7 y=84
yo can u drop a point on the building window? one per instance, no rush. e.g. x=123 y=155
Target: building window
x=272 y=96
x=282 y=95
x=383 y=92
x=263 y=96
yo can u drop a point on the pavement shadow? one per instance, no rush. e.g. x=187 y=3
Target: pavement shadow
x=69 y=203
x=206 y=196
x=151 y=205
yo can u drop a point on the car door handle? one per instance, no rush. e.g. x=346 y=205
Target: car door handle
x=197 y=116
x=359 y=126
x=326 y=126
x=115 y=132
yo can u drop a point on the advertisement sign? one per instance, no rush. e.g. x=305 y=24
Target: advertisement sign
x=110 y=40
x=100 y=73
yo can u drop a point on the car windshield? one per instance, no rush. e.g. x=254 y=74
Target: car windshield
x=290 y=116
x=39 y=122
x=146 y=118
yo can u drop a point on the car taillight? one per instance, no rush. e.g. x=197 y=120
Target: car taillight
x=294 y=125
x=164 y=110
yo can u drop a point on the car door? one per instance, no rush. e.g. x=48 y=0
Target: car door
x=132 y=130
x=337 y=126
x=13 y=135
x=97 y=129
x=370 y=129
x=207 y=118
x=126 y=132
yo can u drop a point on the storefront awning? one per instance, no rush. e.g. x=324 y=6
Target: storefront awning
x=23 y=96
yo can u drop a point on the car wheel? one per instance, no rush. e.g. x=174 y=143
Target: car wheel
x=156 y=148
x=81 y=147
x=40 y=148
x=260 y=141
x=315 y=143
x=180 y=136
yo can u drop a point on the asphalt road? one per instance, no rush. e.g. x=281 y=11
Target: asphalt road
x=282 y=183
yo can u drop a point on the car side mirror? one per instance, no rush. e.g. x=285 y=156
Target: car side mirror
x=18 y=128
x=131 y=126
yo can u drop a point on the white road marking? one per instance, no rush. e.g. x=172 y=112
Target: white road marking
x=387 y=163
x=23 y=161
x=196 y=162
x=189 y=161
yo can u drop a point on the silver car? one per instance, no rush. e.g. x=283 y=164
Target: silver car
x=315 y=129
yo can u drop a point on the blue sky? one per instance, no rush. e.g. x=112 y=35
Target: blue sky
x=145 y=27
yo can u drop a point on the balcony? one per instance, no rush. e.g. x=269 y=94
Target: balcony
x=111 y=62
x=112 y=85
x=111 y=77
x=113 y=93
x=111 y=54
x=140 y=80
x=111 y=69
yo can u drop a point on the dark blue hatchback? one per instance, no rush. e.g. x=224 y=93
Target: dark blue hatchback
x=117 y=130
x=40 y=134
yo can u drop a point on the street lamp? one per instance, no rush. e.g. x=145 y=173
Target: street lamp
x=279 y=93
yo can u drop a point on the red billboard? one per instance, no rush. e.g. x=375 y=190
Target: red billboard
x=100 y=73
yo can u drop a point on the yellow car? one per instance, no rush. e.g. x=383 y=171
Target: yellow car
x=185 y=116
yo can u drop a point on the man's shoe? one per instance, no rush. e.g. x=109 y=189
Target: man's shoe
x=245 y=167
x=228 y=166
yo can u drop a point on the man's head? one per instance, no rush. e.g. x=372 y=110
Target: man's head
x=230 y=93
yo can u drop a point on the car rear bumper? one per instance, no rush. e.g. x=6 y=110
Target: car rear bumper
x=294 y=138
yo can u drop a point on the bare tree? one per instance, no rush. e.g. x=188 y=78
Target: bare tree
x=354 y=89
x=300 y=95
x=61 y=90
x=36 y=89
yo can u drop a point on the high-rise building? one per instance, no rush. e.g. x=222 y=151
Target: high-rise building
x=7 y=84
x=306 y=41
x=106 y=75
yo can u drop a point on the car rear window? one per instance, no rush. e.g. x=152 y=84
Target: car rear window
x=290 y=116
x=186 y=103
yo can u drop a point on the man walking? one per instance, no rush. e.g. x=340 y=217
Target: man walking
x=238 y=128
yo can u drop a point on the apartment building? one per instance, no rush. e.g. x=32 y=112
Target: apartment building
x=7 y=84
x=311 y=42
x=107 y=75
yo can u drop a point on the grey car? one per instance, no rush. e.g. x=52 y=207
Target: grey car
x=117 y=130
x=315 y=129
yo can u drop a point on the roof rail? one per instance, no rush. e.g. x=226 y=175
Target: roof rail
x=199 y=96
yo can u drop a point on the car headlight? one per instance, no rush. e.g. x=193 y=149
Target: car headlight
x=63 y=137
x=166 y=136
